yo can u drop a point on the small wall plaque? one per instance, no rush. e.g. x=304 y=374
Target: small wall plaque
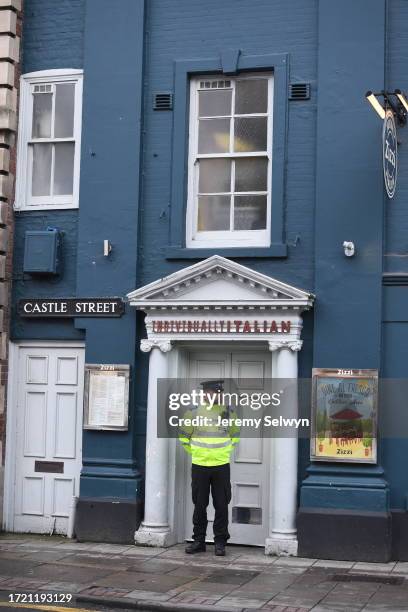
x=106 y=397
x=52 y=467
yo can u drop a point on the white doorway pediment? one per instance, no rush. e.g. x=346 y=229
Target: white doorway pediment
x=221 y=282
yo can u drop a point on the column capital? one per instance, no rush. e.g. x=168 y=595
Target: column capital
x=293 y=345
x=147 y=345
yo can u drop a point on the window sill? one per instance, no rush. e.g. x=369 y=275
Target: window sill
x=46 y=207
x=278 y=250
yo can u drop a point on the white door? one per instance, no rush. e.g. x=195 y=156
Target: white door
x=48 y=437
x=250 y=472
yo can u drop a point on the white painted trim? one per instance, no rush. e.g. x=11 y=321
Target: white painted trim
x=11 y=423
x=148 y=294
x=23 y=172
x=11 y=420
x=54 y=73
x=178 y=459
x=235 y=238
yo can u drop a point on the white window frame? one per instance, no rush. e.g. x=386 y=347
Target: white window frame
x=23 y=201
x=234 y=238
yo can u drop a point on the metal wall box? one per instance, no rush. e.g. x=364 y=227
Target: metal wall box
x=42 y=252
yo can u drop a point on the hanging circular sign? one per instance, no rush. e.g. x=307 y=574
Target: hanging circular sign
x=389 y=141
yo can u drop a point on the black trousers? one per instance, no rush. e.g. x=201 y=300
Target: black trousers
x=217 y=478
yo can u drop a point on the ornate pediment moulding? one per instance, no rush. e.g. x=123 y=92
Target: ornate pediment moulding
x=218 y=282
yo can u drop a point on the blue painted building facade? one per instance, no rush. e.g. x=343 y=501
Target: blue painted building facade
x=327 y=188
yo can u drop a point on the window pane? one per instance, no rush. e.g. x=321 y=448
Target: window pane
x=64 y=110
x=214 y=102
x=213 y=135
x=41 y=179
x=250 y=134
x=250 y=212
x=251 y=96
x=64 y=168
x=251 y=174
x=42 y=110
x=213 y=213
x=215 y=175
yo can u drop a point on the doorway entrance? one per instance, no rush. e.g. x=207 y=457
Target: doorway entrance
x=250 y=463
x=45 y=442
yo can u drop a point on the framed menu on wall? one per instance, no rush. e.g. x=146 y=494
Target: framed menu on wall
x=344 y=415
x=106 y=397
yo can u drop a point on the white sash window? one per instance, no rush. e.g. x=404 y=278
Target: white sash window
x=48 y=153
x=230 y=155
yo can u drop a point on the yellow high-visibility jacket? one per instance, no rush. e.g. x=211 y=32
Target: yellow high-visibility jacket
x=211 y=444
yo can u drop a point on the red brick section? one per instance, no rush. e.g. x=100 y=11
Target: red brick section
x=9 y=254
x=100 y=591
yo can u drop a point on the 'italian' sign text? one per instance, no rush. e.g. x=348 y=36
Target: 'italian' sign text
x=214 y=326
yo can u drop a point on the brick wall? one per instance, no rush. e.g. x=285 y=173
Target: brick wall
x=10 y=35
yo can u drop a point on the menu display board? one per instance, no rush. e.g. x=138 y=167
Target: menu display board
x=106 y=397
x=344 y=415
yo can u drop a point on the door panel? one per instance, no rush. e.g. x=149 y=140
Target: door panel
x=48 y=437
x=248 y=511
x=250 y=470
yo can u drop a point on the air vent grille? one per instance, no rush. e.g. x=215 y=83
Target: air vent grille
x=299 y=91
x=163 y=101
x=215 y=84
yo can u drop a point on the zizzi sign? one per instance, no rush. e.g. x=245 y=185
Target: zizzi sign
x=217 y=326
x=389 y=141
x=72 y=307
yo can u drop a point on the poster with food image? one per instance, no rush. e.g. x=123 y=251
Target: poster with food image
x=344 y=415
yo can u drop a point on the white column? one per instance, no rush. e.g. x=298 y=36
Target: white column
x=155 y=530
x=282 y=538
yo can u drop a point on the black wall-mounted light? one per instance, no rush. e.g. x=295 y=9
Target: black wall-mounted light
x=394 y=100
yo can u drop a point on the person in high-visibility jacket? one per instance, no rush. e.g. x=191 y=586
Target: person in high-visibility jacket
x=210 y=447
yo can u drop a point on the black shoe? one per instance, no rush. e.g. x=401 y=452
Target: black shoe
x=195 y=547
x=219 y=549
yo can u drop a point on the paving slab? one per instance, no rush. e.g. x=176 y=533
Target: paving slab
x=17 y=567
x=105 y=561
x=63 y=587
x=142 y=581
x=148 y=595
x=230 y=576
x=390 y=607
x=338 y=607
x=45 y=556
x=263 y=583
x=374 y=567
x=156 y=566
x=76 y=546
x=68 y=573
x=101 y=591
x=116 y=549
x=240 y=602
x=295 y=562
x=13 y=554
x=145 y=551
x=333 y=563
x=271 y=607
x=191 y=570
x=296 y=599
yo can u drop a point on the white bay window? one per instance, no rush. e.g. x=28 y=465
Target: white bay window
x=229 y=169
x=48 y=153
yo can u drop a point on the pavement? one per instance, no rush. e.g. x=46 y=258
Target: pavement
x=106 y=576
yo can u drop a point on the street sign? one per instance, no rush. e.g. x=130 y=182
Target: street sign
x=71 y=307
x=390 y=159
